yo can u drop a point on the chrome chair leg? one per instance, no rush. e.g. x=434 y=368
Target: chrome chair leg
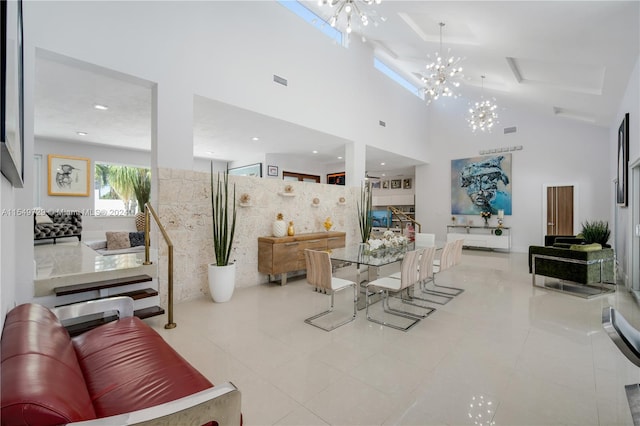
x=385 y=295
x=423 y=288
x=455 y=290
x=330 y=310
x=409 y=299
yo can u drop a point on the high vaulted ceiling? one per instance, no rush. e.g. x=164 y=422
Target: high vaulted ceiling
x=563 y=58
x=567 y=59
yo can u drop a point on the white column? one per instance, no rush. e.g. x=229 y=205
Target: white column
x=172 y=126
x=355 y=163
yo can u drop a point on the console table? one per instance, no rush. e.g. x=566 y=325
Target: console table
x=281 y=255
x=491 y=237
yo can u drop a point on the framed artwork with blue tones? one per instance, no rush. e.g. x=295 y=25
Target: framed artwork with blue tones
x=481 y=184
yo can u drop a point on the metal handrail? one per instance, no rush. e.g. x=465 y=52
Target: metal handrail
x=402 y=214
x=147 y=226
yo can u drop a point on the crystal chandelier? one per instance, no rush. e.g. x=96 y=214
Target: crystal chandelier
x=441 y=74
x=350 y=8
x=483 y=115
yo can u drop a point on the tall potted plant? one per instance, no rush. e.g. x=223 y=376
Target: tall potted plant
x=142 y=189
x=222 y=273
x=364 y=212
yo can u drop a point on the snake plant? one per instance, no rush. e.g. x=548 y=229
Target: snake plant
x=224 y=221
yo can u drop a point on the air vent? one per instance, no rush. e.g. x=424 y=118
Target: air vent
x=511 y=129
x=382 y=123
x=280 y=80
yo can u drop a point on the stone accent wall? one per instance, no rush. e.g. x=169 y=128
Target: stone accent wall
x=184 y=208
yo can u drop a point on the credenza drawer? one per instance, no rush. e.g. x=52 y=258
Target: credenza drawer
x=279 y=255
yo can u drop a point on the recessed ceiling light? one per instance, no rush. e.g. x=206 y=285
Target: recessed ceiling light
x=384 y=174
x=255 y=138
x=339 y=158
x=209 y=152
x=101 y=107
x=382 y=164
x=314 y=151
x=82 y=133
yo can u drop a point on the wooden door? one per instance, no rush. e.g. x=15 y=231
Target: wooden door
x=560 y=210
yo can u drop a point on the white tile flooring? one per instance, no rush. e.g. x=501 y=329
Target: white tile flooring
x=533 y=357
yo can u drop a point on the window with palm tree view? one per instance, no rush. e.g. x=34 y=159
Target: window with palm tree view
x=121 y=190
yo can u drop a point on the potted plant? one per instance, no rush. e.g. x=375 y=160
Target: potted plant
x=364 y=212
x=596 y=232
x=141 y=183
x=222 y=273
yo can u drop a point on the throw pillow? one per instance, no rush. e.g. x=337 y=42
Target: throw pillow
x=586 y=247
x=118 y=240
x=136 y=239
x=42 y=216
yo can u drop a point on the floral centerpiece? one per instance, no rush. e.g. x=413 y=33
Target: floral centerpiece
x=389 y=241
x=485 y=215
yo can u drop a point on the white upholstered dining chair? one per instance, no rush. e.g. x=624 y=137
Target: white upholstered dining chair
x=387 y=285
x=319 y=275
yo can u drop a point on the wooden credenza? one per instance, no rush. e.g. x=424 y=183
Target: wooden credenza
x=280 y=255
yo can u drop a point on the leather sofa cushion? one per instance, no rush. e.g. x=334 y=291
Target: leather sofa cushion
x=128 y=366
x=41 y=380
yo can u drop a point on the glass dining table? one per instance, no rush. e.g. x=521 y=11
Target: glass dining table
x=369 y=262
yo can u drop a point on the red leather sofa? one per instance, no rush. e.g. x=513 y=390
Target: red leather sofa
x=123 y=369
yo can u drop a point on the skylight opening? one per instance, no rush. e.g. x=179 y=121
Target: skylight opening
x=313 y=19
x=383 y=68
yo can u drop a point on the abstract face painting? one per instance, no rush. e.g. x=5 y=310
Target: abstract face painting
x=481 y=184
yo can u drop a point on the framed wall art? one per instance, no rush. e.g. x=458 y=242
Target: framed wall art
x=396 y=183
x=406 y=183
x=622 y=188
x=11 y=93
x=481 y=184
x=254 y=170
x=272 y=170
x=69 y=176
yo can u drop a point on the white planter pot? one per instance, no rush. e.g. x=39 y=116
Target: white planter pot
x=222 y=281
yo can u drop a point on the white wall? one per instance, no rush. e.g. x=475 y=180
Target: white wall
x=150 y=42
x=623 y=232
x=555 y=151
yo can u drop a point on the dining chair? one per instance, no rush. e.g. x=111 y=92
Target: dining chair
x=451 y=256
x=425 y=240
x=319 y=275
x=387 y=285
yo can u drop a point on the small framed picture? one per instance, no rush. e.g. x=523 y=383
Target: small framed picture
x=406 y=184
x=375 y=184
x=396 y=183
x=272 y=170
x=385 y=184
x=69 y=175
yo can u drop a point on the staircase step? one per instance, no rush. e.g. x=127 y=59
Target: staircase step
x=82 y=327
x=99 y=285
x=135 y=295
x=149 y=312
x=138 y=294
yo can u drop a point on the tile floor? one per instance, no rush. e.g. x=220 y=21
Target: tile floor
x=529 y=356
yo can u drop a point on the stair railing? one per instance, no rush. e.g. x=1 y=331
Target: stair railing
x=147 y=226
x=402 y=217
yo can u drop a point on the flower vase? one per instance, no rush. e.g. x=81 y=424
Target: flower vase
x=279 y=228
